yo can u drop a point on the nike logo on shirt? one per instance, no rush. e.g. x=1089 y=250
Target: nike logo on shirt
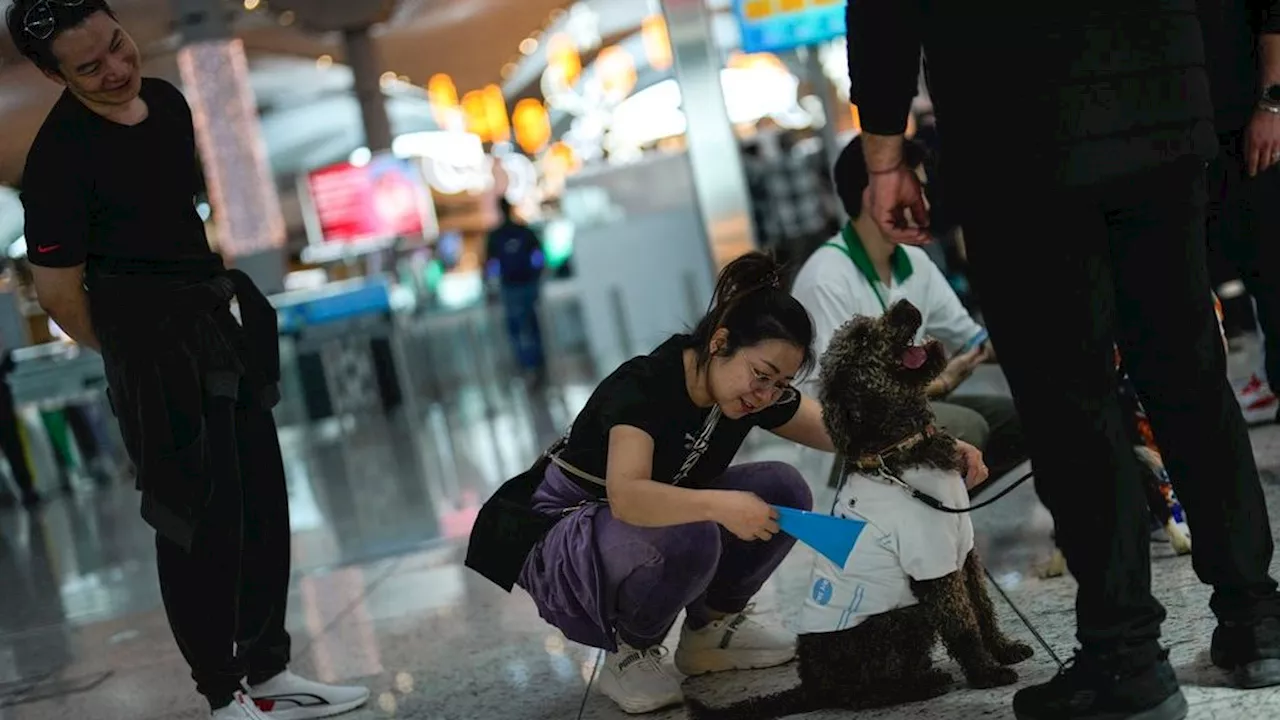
x=47 y=248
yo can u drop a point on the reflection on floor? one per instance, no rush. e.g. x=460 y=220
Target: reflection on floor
x=380 y=513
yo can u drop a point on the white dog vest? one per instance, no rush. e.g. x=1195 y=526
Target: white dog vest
x=904 y=540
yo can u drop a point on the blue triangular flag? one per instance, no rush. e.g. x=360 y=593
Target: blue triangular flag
x=832 y=537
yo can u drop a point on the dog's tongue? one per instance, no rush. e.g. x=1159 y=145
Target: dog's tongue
x=914 y=357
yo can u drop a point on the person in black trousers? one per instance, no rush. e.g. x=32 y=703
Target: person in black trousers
x=1242 y=41
x=11 y=440
x=1108 y=105
x=121 y=262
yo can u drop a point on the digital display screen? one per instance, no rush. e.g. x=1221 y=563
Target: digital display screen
x=777 y=25
x=382 y=200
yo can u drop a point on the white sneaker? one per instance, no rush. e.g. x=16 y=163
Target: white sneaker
x=241 y=708
x=735 y=642
x=637 y=682
x=289 y=697
x=1257 y=402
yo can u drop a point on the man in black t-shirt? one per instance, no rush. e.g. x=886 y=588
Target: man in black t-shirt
x=121 y=262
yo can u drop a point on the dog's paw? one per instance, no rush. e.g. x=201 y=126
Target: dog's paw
x=928 y=686
x=1011 y=652
x=991 y=677
x=935 y=678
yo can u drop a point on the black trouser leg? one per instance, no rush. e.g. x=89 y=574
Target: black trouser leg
x=267 y=548
x=1041 y=267
x=201 y=588
x=11 y=444
x=1245 y=225
x=1173 y=351
x=82 y=430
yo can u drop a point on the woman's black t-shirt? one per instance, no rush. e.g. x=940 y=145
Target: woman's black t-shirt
x=649 y=393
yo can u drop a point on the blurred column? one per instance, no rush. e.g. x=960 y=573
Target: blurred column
x=719 y=180
x=215 y=76
x=355 y=20
x=362 y=57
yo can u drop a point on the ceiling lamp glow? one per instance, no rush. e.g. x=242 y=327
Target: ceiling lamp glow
x=476 y=111
x=495 y=110
x=443 y=96
x=532 y=125
x=750 y=93
x=564 y=64
x=657 y=42
x=616 y=70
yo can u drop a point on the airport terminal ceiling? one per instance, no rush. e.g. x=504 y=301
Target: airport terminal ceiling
x=468 y=39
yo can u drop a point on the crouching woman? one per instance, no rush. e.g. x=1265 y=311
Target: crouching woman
x=638 y=514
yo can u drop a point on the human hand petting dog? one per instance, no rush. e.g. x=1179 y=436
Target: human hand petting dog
x=745 y=515
x=976 y=470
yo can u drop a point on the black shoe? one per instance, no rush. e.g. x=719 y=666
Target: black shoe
x=1094 y=688
x=1249 y=651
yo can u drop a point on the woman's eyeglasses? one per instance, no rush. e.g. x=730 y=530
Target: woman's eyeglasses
x=40 y=22
x=777 y=393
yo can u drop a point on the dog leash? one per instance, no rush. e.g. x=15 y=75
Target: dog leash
x=937 y=504
x=1025 y=620
x=875 y=464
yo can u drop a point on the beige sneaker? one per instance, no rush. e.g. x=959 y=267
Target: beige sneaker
x=637 y=682
x=735 y=642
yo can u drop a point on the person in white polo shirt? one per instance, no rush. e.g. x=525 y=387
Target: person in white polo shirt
x=858 y=272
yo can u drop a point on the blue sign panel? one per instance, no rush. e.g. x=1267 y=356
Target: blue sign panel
x=776 y=25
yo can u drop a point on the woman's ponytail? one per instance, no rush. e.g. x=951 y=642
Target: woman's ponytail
x=751 y=304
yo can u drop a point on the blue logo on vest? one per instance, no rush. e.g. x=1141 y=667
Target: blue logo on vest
x=822 y=591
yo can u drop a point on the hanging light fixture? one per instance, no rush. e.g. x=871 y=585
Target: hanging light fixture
x=495 y=109
x=616 y=70
x=532 y=125
x=443 y=96
x=657 y=42
x=475 y=109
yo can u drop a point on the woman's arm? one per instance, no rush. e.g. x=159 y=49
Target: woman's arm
x=636 y=499
x=806 y=427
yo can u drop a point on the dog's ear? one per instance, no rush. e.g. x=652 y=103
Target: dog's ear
x=841 y=420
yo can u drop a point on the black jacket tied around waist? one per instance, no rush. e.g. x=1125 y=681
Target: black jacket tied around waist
x=178 y=363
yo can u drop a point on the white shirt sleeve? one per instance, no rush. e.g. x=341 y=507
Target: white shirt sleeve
x=945 y=316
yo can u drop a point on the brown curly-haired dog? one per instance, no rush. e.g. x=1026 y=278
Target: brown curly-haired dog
x=874 y=406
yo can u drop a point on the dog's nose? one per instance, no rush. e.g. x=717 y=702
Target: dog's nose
x=904 y=320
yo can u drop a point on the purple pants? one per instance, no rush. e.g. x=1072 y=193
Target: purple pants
x=599 y=580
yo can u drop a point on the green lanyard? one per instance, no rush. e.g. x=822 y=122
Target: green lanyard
x=851 y=237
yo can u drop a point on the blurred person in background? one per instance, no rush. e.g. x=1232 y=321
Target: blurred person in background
x=515 y=260
x=1242 y=41
x=11 y=439
x=120 y=261
x=1106 y=190
x=859 y=272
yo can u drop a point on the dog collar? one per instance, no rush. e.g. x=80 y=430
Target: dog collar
x=871 y=463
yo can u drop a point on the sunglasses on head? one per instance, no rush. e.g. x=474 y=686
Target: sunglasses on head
x=40 y=22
